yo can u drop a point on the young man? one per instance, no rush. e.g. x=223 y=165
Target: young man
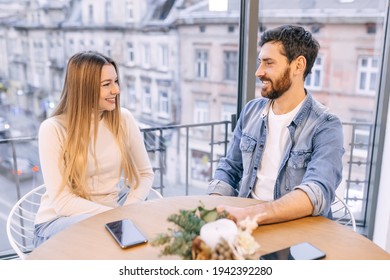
x=287 y=148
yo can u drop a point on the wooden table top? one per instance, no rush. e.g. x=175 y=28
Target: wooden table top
x=89 y=240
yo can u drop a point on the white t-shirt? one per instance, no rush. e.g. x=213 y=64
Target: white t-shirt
x=275 y=146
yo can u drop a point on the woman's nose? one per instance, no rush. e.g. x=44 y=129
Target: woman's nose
x=115 y=89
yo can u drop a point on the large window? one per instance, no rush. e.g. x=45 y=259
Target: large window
x=201 y=59
x=345 y=78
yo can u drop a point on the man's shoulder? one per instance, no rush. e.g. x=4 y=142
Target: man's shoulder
x=255 y=104
x=322 y=110
x=321 y=113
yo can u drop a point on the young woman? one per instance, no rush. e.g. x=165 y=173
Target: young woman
x=87 y=146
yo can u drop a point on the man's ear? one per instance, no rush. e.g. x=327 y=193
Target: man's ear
x=300 y=65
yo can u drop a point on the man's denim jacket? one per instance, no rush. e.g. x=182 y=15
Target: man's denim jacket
x=312 y=161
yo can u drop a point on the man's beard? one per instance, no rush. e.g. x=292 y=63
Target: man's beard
x=279 y=87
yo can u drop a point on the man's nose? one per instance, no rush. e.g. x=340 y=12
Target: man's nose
x=260 y=71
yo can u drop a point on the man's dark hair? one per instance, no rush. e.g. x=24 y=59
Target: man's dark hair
x=296 y=41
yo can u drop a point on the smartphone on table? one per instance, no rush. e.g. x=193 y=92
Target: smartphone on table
x=301 y=251
x=126 y=233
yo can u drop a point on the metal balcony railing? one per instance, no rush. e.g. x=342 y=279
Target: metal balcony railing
x=184 y=158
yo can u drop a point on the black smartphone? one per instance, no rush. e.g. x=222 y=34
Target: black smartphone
x=301 y=251
x=126 y=233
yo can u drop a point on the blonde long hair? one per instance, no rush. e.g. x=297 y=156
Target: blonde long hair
x=79 y=103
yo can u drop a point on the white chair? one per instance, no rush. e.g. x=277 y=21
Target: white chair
x=20 y=222
x=342 y=214
x=154 y=194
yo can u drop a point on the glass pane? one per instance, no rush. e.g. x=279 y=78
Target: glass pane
x=362 y=81
x=350 y=91
x=170 y=56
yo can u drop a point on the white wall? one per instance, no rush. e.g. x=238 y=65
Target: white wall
x=382 y=220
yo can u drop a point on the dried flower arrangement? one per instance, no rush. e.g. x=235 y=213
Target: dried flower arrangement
x=203 y=234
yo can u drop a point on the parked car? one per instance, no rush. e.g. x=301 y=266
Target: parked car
x=25 y=168
x=4 y=128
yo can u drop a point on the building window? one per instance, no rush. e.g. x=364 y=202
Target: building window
x=81 y=45
x=57 y=82
x=146 y=99
x=146 y=55
x=163 y=102
x=228 y=110
x=129 y=11
x=131 y=97
x=201 y=63
x=70 y=48
x=361 y=142
x=108 y=12
x=371 y=28
x=200 y=165
x=90 y=13
x=314 y=79
x=130 y=53
x=39 y=80
x=230 y=59
x=107 y=48
x=14 y=72
x=52 y=49
x=163 y=56
x=368 y=68
x=201 y=112
x=38 y=51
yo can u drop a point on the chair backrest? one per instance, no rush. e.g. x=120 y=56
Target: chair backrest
x=154 y=194
x=342 y=213
x=20 y=222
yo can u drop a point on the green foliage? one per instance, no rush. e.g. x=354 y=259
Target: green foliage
x=178 y=241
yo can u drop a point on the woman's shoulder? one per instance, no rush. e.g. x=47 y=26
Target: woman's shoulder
x=53 y=127
x=128 y=117
x=55 y=122
x=126 y=114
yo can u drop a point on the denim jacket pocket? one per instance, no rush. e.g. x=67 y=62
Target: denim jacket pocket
x=296 y=168
x=247 y=147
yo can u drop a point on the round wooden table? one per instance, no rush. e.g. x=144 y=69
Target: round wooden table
x=89 y=240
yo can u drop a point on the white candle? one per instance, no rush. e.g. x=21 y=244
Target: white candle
x=212 y=232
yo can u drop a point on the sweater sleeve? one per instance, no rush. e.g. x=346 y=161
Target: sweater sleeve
x=51 y=140
x=141 y=159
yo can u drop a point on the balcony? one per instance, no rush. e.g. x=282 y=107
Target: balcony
x=184 y=158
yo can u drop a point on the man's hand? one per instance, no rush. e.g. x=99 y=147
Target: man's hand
x=293 y=205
